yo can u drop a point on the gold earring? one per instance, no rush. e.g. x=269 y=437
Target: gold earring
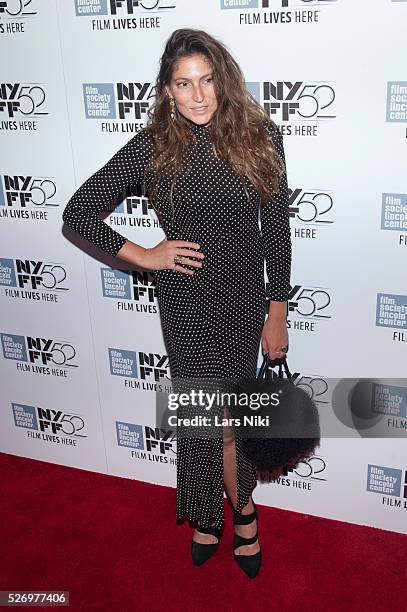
x=172 y=109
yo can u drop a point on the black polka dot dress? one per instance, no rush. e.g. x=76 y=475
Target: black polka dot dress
x=211 y=321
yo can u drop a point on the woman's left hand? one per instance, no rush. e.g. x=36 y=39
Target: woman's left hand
x=274 y=336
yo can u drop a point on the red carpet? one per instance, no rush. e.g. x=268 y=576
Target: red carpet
x=114 y=544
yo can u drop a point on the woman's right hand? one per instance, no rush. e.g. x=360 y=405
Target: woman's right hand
x=162 y=256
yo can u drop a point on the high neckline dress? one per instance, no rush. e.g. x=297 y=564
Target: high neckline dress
x=211 y=321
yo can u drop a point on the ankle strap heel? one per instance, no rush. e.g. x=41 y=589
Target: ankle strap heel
x=250 y=564
x=213 y=530
x=244 y=519
x=202 y=552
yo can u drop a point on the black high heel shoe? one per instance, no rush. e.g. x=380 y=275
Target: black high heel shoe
x=250 y=564
x=203 y=552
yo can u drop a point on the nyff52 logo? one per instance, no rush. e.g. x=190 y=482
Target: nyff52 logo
x=132 y=202
x=13 y=9
x=32 y=274
x=23 y=100
x=312 y=468
x=299 y=100
x=48 y=420
x=309 y=302
x=21 y=191
x=310 y=206
x=42 y=351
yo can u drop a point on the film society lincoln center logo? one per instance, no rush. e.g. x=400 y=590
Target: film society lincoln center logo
x=396 y=107
x=148 y=443
x=391 y=312
x=118 y=101
x=394 y=216
x=390 y=483
x=135 y=291
x=140 y=370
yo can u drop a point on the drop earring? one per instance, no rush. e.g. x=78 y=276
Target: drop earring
x=172 y=109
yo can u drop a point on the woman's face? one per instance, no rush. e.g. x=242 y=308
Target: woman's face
x=193 y=88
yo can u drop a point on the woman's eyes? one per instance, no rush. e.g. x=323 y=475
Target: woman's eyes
x=208 y=80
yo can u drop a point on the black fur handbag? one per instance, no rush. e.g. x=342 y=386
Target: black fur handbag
x=284 y=433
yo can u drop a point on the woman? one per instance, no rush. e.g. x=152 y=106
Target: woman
x=210 y=161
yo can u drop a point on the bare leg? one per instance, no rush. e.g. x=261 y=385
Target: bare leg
x=230 y=481
x=204 y=538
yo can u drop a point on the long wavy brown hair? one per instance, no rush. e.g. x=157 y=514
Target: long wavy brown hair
x=237 y=128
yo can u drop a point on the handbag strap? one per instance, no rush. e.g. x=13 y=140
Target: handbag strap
x=266 y=365
x=263 y=367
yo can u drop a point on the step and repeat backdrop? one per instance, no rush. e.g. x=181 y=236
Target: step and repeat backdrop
x=82 y=356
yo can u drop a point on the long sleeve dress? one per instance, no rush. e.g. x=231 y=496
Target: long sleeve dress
x=211 y=321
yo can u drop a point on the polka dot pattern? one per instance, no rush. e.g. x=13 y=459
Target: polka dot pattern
x=211 y=321
x=103 y=188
